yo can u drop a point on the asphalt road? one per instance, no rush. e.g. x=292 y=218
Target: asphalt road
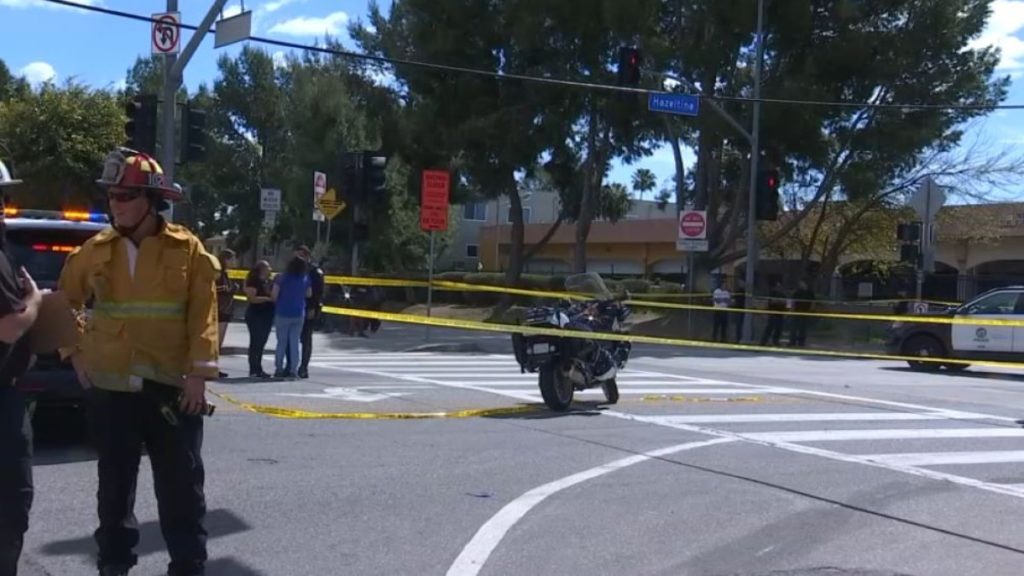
x=713 y=463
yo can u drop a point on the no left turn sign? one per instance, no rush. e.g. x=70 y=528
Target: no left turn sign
x=166 y=35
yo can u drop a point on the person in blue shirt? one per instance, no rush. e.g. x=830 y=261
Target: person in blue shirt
x=290 y=292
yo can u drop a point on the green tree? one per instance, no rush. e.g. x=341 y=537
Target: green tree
x=58 y=136
x=826 y=50
x=485 y=131
x=644 y=181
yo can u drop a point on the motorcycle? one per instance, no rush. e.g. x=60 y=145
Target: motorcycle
x=567 y=364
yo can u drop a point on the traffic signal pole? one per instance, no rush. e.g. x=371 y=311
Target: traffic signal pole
x=755 y=153
x=174 y=68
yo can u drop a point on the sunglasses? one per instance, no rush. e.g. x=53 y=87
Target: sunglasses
x=123 y=195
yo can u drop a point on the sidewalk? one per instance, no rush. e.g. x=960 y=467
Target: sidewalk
x=390 y=338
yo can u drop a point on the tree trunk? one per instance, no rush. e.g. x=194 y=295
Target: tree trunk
x=588 y=198
x=534 y=248
x=515 y=256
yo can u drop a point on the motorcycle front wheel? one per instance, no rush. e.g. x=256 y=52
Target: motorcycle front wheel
x=555 y=387
x=611 y=391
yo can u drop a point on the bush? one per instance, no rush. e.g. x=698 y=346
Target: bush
x=637 y=286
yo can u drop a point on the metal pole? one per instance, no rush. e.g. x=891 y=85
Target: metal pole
x=430 y=281
x=170 y=89
x=174 y=69
x=690 y=276
x=755 y=152
x=352 y=240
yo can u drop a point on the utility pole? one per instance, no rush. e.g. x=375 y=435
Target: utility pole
x=755 y=153
x=174 y=68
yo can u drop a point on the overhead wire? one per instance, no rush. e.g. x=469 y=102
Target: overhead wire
x=542 y=79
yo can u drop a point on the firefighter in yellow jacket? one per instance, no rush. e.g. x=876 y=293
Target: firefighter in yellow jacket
x=149 y=345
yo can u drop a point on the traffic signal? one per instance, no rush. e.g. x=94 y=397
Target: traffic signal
x=767 y=200
x=193 y=134
x=910 y=253
x=909 y=232
x=351 y=176
x=374 y=178
x=629 y=66
x=140 y=128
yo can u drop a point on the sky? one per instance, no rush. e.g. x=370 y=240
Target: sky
x=98 y=49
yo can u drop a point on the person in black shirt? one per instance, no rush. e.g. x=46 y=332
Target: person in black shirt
x=259 y=315
x=802 y=302
x=773 y=328
x=19 y=305
x=314 y=303
x=225 y=297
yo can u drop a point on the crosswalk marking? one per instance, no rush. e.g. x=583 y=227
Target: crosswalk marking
x=634 y=390
x=808 y=417
x=501 y=374
x=893 y=434
x=949 y=458
x=925 y=426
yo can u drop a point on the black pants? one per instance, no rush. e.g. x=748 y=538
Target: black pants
x=773 y=329
x=739 y=325
x=306 y=341
x=798 y=331
x=121 y=423
x=259 y=332
x=15 y=477
x=721 y=326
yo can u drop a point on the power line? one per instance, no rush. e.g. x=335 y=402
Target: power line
x=545 y=80
x=372 y=58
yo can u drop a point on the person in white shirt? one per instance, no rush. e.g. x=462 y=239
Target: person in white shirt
x=721 y=299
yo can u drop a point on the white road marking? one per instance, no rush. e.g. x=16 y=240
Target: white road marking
x=797 y=417
x=475 y=554
x=894 y=434
x=632 y=390
x=948 y=458
x=1004 y=489
x=346 y=395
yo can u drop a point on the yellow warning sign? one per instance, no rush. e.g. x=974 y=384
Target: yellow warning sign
x=330 y=204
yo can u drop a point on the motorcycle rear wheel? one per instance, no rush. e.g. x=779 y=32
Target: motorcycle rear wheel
x=611 y=391
x=555 y=388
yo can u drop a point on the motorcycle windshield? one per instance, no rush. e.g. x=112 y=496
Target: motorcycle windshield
x=588 y=284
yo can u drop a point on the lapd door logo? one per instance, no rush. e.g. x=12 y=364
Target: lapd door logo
x=981 y=334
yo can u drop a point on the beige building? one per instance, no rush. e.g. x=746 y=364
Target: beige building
x=978 y=248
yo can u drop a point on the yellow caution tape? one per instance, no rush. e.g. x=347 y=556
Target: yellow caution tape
x=837 y=315
x=448 y=285
x=294 y=414
x=559 y=332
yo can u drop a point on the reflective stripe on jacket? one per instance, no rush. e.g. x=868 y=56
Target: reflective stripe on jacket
x=160 y=324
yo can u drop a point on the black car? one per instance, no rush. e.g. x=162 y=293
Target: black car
x=964 y=341
x=41 y=241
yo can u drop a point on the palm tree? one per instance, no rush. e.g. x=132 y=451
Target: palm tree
x=644 y=181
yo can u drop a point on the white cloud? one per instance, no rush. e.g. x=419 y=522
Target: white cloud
x=1004 y=24
x=331 y=25
x=275 y=5
x=120 y=84
x=280 y=59
x=231 y=11
x=38 y=72
x=43 y=4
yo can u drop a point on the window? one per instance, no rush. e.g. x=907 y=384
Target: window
x=476 y=211
x=472 y=251
x=999 y=303
x=526 y=215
